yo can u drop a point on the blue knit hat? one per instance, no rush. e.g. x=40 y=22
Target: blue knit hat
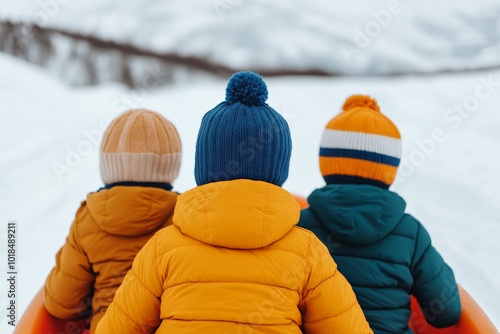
x=243 y=137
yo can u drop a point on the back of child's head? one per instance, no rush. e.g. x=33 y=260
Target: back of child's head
x=360 y=145
x=140 y=146
x=243 y=137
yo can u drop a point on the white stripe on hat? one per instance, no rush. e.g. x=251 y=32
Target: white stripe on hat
x=362 y=141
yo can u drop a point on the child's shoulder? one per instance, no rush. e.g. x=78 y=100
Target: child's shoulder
x=81 y=213
x=411 y=227
x=171 y=237
x=301 y=241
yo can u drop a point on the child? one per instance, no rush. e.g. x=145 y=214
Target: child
x=383 y=252
x=140 y=158
x=233 y=261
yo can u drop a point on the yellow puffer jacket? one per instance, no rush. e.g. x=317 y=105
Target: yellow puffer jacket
x=234 y=262
x=110 y=228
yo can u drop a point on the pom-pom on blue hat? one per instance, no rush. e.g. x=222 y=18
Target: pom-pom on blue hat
x=243 y=137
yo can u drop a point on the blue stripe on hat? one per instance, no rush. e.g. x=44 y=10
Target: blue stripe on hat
x=350 y=179
x=358 y=154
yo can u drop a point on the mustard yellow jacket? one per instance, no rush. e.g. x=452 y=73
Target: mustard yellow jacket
x=234 y=262
x=110 y=227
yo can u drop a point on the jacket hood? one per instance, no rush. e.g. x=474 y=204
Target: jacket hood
x=130 y=211
x=357 y=214
x=238 y=214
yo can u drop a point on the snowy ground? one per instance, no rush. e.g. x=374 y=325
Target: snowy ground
x=448 y=177
x=359 y=36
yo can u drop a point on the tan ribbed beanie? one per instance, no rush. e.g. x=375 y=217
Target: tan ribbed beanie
x=142 y=146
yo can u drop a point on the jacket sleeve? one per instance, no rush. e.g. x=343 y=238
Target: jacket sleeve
x=68 y=288
x=434 y=283
x=329 y=304
x=136 y=306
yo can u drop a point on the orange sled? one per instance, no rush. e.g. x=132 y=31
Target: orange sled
x=472 y=321
x=36 y=319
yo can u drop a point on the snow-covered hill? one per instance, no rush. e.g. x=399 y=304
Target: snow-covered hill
x=356 y=37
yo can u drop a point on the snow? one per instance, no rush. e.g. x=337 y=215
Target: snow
x=451 y=185
x=359 y=37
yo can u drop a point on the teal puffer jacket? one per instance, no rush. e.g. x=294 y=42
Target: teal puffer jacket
x=385 y=254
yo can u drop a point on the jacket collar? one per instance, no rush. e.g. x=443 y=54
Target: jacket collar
x=357 y=214
x=240 y=214
x=131 y=211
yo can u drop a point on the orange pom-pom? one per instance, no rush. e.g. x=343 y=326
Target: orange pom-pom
x=360 y=101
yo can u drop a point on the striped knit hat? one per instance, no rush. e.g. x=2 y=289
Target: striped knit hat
x=141 y=146
x=360 y=145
